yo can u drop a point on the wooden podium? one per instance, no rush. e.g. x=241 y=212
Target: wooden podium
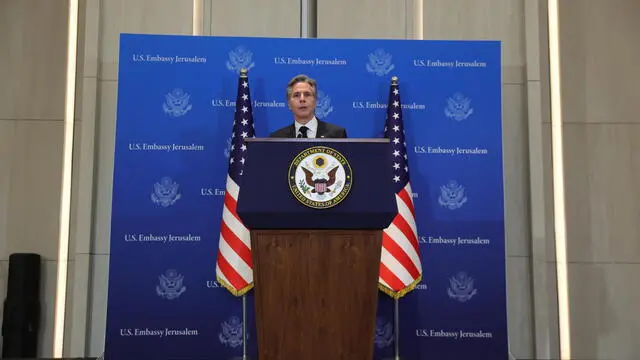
x=316 y=269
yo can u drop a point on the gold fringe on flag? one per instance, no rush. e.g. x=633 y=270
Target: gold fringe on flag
x=232 y=290
x=398 y=294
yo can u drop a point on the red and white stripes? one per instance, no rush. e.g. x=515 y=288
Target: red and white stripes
x=400 y=266
x=234 y=267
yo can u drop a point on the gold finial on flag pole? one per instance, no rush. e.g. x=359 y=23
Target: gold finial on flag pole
x=243 y=72
x=394 y=80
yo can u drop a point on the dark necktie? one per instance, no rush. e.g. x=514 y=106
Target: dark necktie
x=303 y=132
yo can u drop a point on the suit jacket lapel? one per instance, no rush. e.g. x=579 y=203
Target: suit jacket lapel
x=292 y=131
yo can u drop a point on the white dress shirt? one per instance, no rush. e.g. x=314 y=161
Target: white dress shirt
x=312 y=125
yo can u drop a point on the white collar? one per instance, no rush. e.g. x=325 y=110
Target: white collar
x=312 y=125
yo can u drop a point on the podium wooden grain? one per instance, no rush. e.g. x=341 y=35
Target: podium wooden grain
x=316 y=293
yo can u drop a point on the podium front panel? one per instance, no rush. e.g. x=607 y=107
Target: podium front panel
x=268 y=198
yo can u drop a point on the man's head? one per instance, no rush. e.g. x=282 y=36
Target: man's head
x=301 y=97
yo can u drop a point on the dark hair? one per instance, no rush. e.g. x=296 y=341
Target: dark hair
x=297 y=79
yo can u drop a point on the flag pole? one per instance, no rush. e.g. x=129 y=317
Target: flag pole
x=394 y=129
x=396 y=330
x=242 y=127
x=243 y=73
x=244 y=328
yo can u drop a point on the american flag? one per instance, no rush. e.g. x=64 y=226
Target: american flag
x=234 y=269
x=400 y=266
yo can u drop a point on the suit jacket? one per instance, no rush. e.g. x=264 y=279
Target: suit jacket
x=325 y=129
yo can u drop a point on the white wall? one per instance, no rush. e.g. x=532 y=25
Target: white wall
x=601 y=83
x=33 y=39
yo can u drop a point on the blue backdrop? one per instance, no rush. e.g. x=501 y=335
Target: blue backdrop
x=176 y=98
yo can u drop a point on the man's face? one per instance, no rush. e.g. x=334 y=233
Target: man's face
x=302 y=102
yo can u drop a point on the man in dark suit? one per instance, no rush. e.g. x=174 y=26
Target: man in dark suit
x=301 y=98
